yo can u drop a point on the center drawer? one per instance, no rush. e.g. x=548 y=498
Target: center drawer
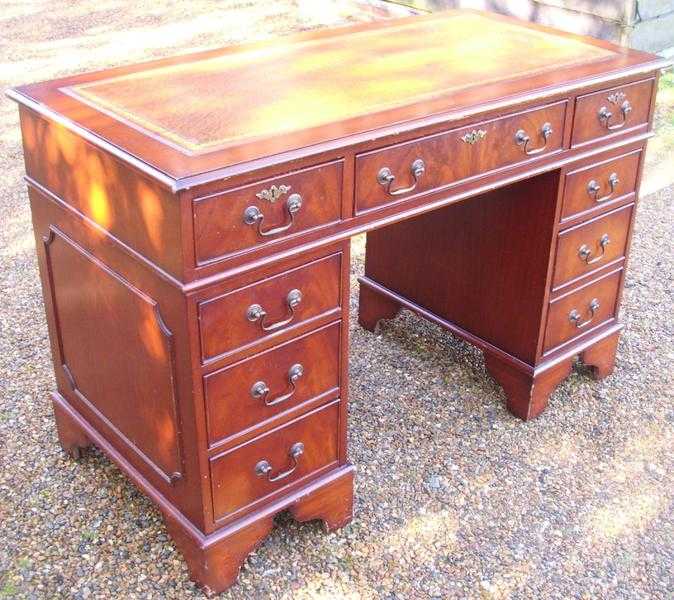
x=270 y=307
x=429 y=163
x=257 y=389
x=270 y=462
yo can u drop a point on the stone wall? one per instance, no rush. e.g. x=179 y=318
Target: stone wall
x=642 y=24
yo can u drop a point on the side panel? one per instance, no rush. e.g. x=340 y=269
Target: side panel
x=116 y=351
x=137 y=211
x=120 y=347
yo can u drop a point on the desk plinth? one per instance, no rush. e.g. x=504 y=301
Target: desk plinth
x=193 y=234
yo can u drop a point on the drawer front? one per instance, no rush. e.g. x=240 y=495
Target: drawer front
x=271 y=461
x=575 y=313
x=256 y=389
x=389 y=174
x=269 y=307
x=597 y=187
x=590 y=246
x=266 y=211
x=612 y=111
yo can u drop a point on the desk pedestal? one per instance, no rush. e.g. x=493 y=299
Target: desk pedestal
x=482 y=269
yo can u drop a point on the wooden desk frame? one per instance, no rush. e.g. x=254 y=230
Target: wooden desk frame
x=143 y=300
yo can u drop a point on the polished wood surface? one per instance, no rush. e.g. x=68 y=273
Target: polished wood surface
x=233 y=408
x=200 y=112
x=235 y=482
x=592 y=245
x=219 y=226
x=493 y=145
x=579 y=200
x=225 y=326
x=561 y=328
x=453 y=262
x=98 y=304
x=192 y=219
x=588 y=125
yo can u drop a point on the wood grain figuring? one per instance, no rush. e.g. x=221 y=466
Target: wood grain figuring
x=219 y=227
x=219 y=112
x=94 y=304
x=588 y=126
x=492 y=285
x=133 y=208
x=139 y=181
x=223 y=323
x=449 y=159
x=560 y=328
x=326 y=81
x=234 y=480
x=232 y=408
x=571 y=264
x=578 y=201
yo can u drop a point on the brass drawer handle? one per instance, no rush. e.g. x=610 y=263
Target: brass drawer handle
x=593 y=188
x=586 y=254
x=256 y=313
x=522 y=139
x=261 y=390
x=575 y=316
x=254 y=216
x=264 y=468
x=386 y=178
x=605 y=115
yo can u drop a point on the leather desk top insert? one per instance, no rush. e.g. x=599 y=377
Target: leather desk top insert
x=192 y=220
x=241 y=103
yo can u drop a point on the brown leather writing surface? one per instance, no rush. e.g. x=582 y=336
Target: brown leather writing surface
x=217 y=101
x=206 y=111
x=193 y=219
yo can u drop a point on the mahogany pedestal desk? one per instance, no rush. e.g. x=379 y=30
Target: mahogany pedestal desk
x=193 y=216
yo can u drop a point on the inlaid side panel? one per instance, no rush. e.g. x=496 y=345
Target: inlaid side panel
x=117 y=353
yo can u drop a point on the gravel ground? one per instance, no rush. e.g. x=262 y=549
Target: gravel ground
x=454 y=498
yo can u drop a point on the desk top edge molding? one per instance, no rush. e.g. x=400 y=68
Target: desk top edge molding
x=43 y=99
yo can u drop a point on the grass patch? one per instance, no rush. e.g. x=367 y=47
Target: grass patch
x=666 y=89
x=8 y=590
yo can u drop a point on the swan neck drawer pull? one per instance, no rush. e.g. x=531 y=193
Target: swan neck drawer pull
x=261 y=390
x=605 y=115
x=593 y=188
x=255 y=312
x=254 y=216
x=264 y=468
x=522 y=139
x=386 y=178
x=575 y=316
x=586 y=254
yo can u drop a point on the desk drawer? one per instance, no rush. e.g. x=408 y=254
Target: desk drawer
x=271 y=461
x=422 y=165
x=266 y=211
x=590 y=246
x=256 y=389
x=269 y=307
x=582 y=310
x=595 y=188
x=611 y=111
